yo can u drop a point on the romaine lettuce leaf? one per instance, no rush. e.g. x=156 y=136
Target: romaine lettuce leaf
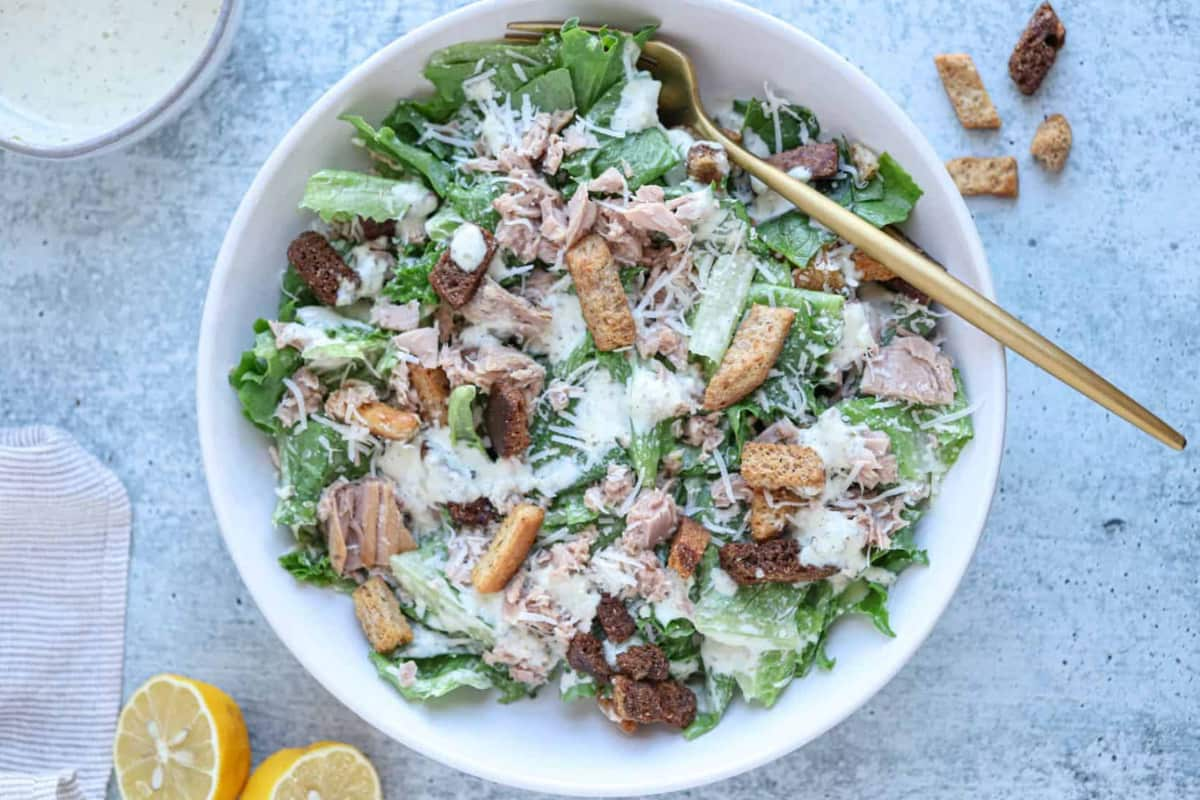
x=401 y=156
x=887 y=199
x=718 y=693
x=309 y=460
x=339 y=195
x=439 y=675
x=419 y=574
x=597 y=61
x=461 y=417
x=514 y=65
x=793 y=237
x=550 y=91
x=313 y=566
x=797 y=124
x=259 y=375
x=641 y=157
x=410 y=279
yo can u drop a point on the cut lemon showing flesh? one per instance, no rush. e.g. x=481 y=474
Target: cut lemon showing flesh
x=180 y=739
x=322 y=771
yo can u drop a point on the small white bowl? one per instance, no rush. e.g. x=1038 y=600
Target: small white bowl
x=546 y=745
x=163 y=111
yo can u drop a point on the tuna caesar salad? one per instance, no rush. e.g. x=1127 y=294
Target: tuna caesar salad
x=569 y=404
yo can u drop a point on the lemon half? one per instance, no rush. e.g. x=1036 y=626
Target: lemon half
x=322 y=771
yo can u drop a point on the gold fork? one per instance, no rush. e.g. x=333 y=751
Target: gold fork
x=679 y=104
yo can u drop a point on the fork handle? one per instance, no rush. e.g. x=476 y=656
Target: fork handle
x=947 y=290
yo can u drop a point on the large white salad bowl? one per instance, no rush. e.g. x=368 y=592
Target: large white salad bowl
x=546 y=745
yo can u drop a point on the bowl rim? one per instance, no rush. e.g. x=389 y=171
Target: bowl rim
x=206 y=395
x=144 y=117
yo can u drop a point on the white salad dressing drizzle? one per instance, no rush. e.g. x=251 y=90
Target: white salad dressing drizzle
x=73 y=70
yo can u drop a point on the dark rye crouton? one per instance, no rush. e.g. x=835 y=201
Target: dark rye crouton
x=750 y=357
x=475 y=514
x=614 y=619
x=601 y=296
x=456 y=285
x=820 y=159
x=320 y=266
x=644 y=662
x=374 y=230
x=776 y=561
x=379 y=614
x=783 y=466
x=1037 y=49
x=707 y=163
x=585 y=654
x=508 y=548
x=507 y=418
x=691 y=540
x=645 y=702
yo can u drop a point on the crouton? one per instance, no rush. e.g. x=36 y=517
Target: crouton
x=748 y=361
x=379 y=614
x=783 y=466
x=614 y=619
x=769 y=515
x=585 y=654
x=819 y=159
x=508 y=548
x=776 y=561
x=997 y=176
x=1037 y=49
x=433 y=392
x=389 y=423
x=1052 y=142
x=455 y=283
x=374 y=230
x=644 y=662
x=965 y=89
x=869 y=269
x=601 y=295
x=507 y=418
x=645 y=702
x=691 y=540
x=707 y=163
x=475 y=514
x=320 y=266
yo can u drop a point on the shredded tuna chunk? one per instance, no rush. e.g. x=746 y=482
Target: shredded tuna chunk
x=611 y=181
x=651 y=519
x=782 y=431
x=422 y=343
x=505 y=314
x=403 y=395
x=394 y=317
x=363 y=524
x=721 y=496
x=661 y=339
x=489 y=362
x=703 y=431
x=610 y=493
x=303 y=397
x=875 y=465
x=910 y=368
x=344 y=403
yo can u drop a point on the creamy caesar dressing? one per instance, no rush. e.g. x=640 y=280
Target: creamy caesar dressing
x=70 y=71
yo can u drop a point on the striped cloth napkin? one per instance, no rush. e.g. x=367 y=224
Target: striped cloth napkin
x=64 y=557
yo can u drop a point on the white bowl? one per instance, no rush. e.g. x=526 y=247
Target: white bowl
x=546 y=745
x=162 y=111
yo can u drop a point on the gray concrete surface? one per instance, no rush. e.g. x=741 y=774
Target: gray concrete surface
x=1067 y=665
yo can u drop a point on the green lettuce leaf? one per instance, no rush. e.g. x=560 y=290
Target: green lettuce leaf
x=338 y=195
x=794 y=238
x=309 y=460
x=437 y=676
x=550 y=91
x=410 y=279
x=642 y=157
x=718 y=693
x=797 y=124
x=514 y=65
x=419 y=574
x=313 y=566
x=461 y=417
x=596 y=61
x=400 y=156
x=887 y=199
x=295 y=293
x=259 y=375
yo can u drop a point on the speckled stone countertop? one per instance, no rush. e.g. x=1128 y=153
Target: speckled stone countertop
x=1067 y=665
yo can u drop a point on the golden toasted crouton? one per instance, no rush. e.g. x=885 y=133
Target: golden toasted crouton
x=707 y=163
x=748 y=361
x=378 y=612
x=996 y=176
x=601 y=295
x=816 y=279
x=965 y=89
x=769 y=516
x=869 y=269
x=1052 y=142
x=783 y=466
x=433 y=392
x=865 y=160
x=508 y=548
x=389 y=423
x=691 y=540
